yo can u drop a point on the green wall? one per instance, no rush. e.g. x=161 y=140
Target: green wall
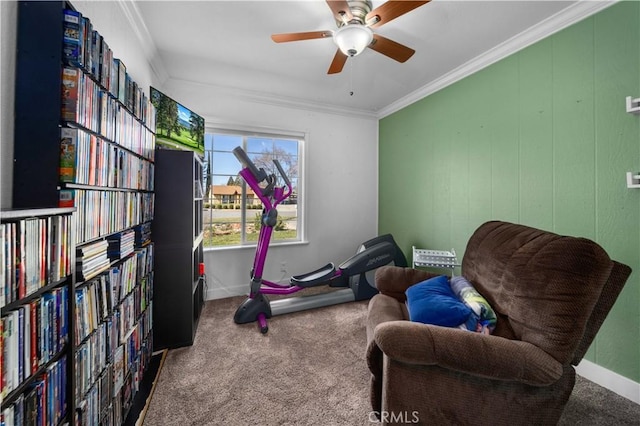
x=540 y=138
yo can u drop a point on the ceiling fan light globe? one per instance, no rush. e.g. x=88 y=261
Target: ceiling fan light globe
x=352 y=39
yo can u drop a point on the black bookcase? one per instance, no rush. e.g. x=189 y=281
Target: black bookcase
x=118 y=338
x=178 y=236
x=38 y=101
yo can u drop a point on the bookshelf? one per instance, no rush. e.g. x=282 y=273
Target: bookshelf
x=178 y=237
x=84 y=139
x=36 y=280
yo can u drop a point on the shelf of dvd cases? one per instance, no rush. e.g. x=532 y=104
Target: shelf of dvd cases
x=89 y=159
x=36 y=279
x=84 y=138
x=112 y=337
x=103 y=211
x=87 y=103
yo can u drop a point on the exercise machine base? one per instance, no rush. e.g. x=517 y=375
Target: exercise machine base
x=355 y=276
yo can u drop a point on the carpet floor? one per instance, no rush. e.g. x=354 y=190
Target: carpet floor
x=309 y=369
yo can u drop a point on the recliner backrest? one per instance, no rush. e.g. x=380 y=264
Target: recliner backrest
x=544 y=285
x=618 y=277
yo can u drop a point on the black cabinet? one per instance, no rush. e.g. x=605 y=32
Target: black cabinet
x=178 y=236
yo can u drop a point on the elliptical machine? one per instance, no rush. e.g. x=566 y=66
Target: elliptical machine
x=355 y=274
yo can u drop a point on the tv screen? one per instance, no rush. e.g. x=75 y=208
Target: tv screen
x=176 y=126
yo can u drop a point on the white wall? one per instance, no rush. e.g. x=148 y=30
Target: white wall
x=8 y=15
x=113 y=20
x=340 y=172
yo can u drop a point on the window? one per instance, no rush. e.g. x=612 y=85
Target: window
x=232 y=212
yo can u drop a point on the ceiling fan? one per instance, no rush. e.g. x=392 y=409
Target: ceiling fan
x=355 y=21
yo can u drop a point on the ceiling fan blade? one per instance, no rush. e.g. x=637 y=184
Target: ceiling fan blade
x=341 y=10
x=282 y=38
x=389 y=11
x=390 y=48
x=338 y=62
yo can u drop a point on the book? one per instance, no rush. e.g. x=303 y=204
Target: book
x=62 y=305
x=31 y=406
x=121 y=245
x=73 y=39
x=54 y=249
x=3 y=262
x=113 y=83
x=26 y=337
x=71 y=94
x=105 y=64
x=2 y=365
x=68 y=154
x=118 y=369
x=46 y=322
x=41 y=401
x=21 y=348
x=122 y=74
x=95 y=53
x=10 y=352
x=8 y=416
x=20 y=261
x=66 y=198
x=34 y=312
x=89 y=250
x=13 y=253
x=87 y=30
x=81 y=317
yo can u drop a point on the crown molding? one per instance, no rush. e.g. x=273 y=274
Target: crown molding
x=137 y=24
x=281 y=101
x=563 y=19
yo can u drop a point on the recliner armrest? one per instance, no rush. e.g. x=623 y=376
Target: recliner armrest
x=395 y=280
x=478 y=354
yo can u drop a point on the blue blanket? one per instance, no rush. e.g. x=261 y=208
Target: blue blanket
x=454 y=303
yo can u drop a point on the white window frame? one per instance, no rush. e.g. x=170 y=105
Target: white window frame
x=246 y=132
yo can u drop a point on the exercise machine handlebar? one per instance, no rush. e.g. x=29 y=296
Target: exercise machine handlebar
x=246 y=162
x=258 y=173
x=269 y=194
x=282 y=173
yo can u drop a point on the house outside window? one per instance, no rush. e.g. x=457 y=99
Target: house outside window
x=232 y=211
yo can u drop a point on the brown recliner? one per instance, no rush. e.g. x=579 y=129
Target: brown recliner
x=551 y=294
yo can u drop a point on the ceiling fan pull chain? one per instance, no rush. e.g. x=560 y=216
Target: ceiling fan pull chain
x=350 y=65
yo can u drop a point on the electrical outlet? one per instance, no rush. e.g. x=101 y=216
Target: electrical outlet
x=283 y=267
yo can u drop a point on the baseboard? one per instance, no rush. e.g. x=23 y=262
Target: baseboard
x=608 y=379
x=142 y=399
x=226 y=291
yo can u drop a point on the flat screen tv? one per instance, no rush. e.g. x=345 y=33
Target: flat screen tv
x=176 y=126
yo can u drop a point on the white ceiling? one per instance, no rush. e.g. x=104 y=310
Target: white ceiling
x=227 y=44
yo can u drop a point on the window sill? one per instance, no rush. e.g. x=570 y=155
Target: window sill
x=252 y=247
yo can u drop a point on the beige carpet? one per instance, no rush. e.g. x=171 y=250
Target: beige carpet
x=309 y=369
